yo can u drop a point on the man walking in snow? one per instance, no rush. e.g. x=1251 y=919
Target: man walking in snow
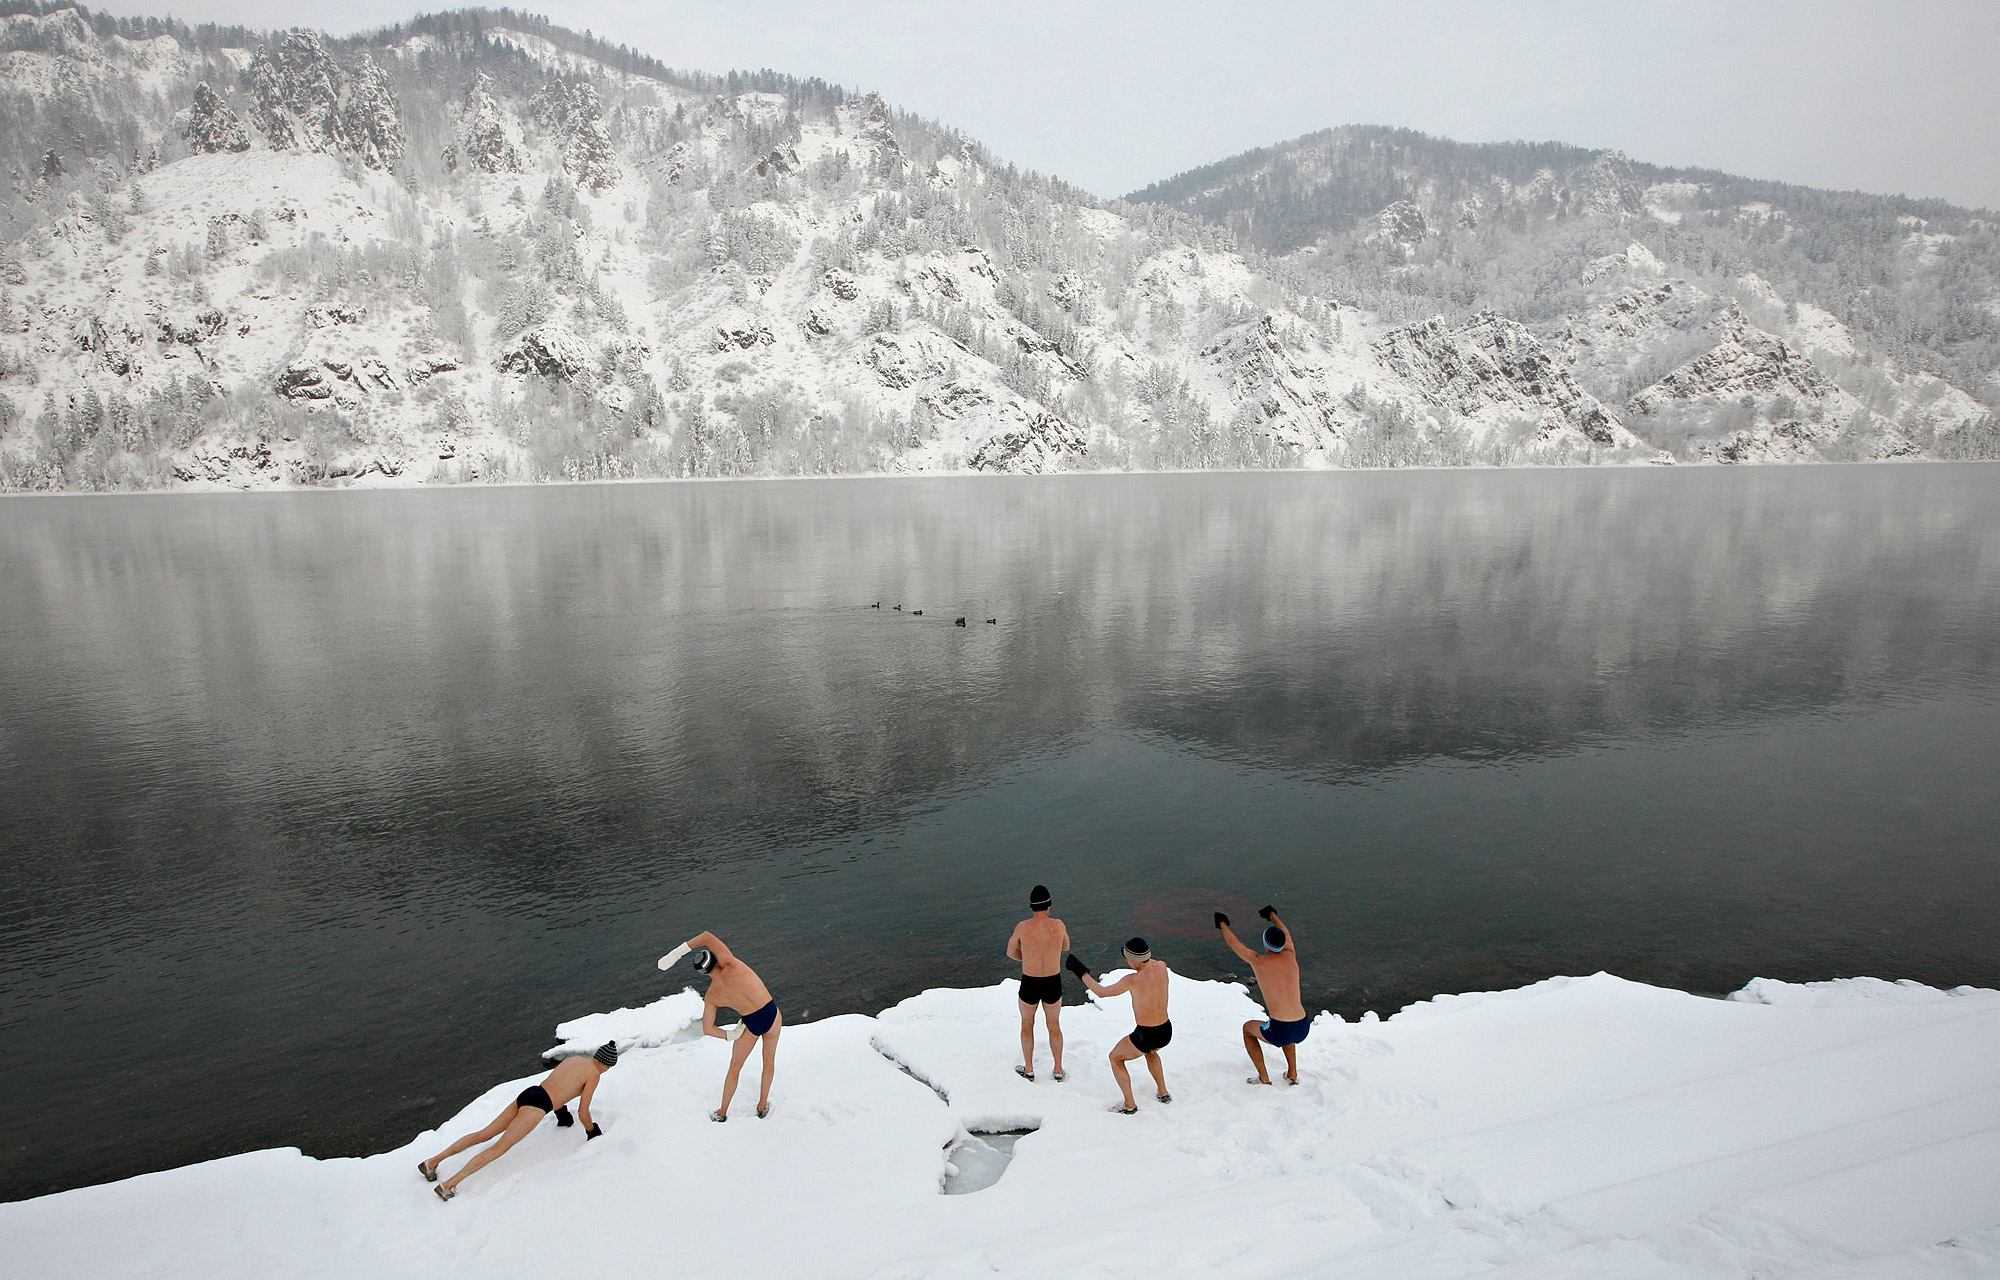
x=1277 y=970
x=573 y=1079
x=1147 y=984
x=1038 y=943
x=734 y=985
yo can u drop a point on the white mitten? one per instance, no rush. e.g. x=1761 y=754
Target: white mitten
x=734 y=1031
x=668 y=960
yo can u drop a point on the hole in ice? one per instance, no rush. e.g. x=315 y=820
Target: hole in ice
x=976 y=1160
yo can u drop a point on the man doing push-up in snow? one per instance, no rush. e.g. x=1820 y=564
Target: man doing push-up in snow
x=734 y=985
x=1277 y=970
x=1148 y=984
x=1038 y=943
x=573 y=1079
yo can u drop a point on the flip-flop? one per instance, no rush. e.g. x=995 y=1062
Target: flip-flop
x=1291 y=1079
x=1126 y=1111
x=444 y=1192
x=762 y=1112
x=1255 y=1080
x=718 y=1117
x=1165 y=1097
x=1060 y=1077
x=1024 y=1073
x=424 y=1167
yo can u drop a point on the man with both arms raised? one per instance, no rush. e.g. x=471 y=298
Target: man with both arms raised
x=1277 y=970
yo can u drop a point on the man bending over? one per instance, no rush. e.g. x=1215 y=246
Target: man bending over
x=1038 y=943
x=1148 y=984
x=734 y=985
x=573 y=1079
x=1277 y=970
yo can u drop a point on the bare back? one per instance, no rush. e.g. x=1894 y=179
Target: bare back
x=735 y=985
x=566 y=1083
x=1039 y=943
x=1278 y=979
x=1149 y=993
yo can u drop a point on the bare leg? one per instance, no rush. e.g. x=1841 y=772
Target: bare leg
x=1052 y=1014
x=1027 y=1035
x=493 y=1130
x=1292 y=1063
x=1253 y=1044
x=738 y=1052
x=1159 y=1070
x=525 y=1119
x=1122 y=1053
x=770 y=1039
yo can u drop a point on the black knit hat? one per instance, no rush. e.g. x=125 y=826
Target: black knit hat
x=607 y=1053
x=1039 y=898
x=1136 y=949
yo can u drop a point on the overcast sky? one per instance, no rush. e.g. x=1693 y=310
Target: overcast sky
x=1891 y=97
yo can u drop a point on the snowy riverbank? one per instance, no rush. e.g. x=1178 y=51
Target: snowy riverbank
x=1577 y=1127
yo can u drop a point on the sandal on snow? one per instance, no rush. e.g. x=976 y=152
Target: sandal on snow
x=1126 y=1111
x=444 y=1192
x=1060 y=1077
x=1165 y=1097
x=763 y=1111
x=1024 y=1073
x=717 y=1116
x=424 y=1167
x=1255 y=1080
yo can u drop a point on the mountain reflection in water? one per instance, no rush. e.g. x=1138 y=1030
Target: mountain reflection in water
x=360 y=793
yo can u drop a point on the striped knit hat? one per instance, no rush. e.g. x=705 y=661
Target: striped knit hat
x=607 y=1053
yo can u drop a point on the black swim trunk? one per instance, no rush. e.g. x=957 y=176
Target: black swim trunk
x=535 y=1096
x=1152 y=1039
x=759 y=1022
x=1042 y=990
x=1280 y=1034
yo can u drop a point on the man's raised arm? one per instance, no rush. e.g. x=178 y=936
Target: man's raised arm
x=1229 y=936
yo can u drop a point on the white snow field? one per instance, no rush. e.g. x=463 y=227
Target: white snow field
x=1587 y=1127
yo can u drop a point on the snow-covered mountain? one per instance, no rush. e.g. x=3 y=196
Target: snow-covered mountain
x=1717 y=317
x=481 y=247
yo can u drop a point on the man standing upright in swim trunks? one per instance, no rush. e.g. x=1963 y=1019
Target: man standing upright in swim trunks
x=734 y=985
x=574 y=1077
x=1148 y=984
x=1038 y=943
x=1277 y=970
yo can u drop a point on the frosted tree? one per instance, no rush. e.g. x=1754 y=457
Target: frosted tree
x=373 y=127
x=209 y=125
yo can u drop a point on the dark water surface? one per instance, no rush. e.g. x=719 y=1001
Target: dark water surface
x=319 y=811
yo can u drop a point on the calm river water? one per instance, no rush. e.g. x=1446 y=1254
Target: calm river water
x=319 y=811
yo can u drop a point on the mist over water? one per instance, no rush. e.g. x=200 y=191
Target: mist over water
x=319 y=811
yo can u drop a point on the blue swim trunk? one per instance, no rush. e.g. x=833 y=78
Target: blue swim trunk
x=759 y=1022
x=1281 y=1034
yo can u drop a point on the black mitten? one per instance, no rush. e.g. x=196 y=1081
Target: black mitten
x=593 y=1132
x=1075 y=965
x=563 y=1118
x=1221 y=921
x=1266 y=911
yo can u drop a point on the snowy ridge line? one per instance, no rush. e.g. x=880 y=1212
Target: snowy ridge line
x=464 y=253
x=1490 y=1136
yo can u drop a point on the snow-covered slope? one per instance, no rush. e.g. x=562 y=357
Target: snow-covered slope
x=1578 y=1127
x=1897 y=302
x=481 y=248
